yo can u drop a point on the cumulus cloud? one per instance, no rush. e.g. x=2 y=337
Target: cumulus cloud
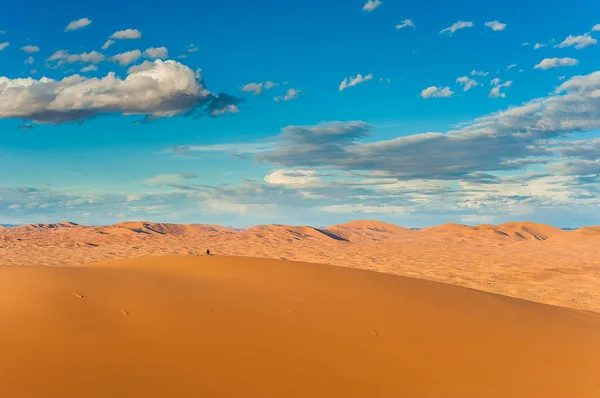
x=291 y=177
x=126 y=58
x=291 y=94
x=78 y=24
x=4 y=45
x=126 y=34
x=437 y=92
x=30 y=49
x=581 y=41
x=156 y=53
x=353 y=81
x=548 y=63
x=596 y=28
x=495 y=25
x=152 y=89
x=371 y=5
x=467 y=83
x=407 y=23
x=457 y=26
x=479 y=73
x=107 y=44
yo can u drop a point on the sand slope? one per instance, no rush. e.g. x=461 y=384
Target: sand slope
x=525 y=260
x=236 y=327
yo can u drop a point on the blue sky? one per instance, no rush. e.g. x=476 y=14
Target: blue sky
x=237 y=112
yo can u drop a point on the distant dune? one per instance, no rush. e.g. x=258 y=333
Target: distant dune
x=190 y=326
x=521 y=259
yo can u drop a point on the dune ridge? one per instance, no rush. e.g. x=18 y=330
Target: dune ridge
x=526 y=260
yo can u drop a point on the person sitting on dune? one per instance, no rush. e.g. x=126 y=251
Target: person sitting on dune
x=207 y=252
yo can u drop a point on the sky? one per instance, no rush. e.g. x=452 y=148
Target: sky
x=300 y=112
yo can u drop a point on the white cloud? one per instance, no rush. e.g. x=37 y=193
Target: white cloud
x=4 y=45
x=30 y=49
x=525 y=44
x=89 y=68
x=579 y=42
x=495 y=81
x=353 y=81
x=156 y=53
x=30 y=60
x=226 y=109
x=537 y=46
x=78 y=24
x=457 y=26
x=60 y=54
x=291 y=94
x=495 y=25
x=467 y=83
x=257 y=88
x=191 y=49
x=254 y=88
x=405 y=24
x=107 y=44
x=371 y=5
x=479 y=73
x=495 y=91
x=92 y=57
x=126 y=58
x=296 y=178
x=152 y=89
x=126 y=34
x=596 y=28
x=437 y=92
x=509 y=67
x=548 y=63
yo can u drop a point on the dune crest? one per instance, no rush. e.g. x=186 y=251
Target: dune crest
x=526 y=260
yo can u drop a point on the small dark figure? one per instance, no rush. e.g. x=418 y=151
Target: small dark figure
x=207 y=252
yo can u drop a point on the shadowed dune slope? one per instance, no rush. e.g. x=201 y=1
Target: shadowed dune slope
x=189 y=326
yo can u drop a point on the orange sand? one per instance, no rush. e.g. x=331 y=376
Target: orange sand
x=191 y=326
x=525 y=260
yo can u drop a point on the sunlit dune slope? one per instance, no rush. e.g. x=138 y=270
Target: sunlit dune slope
x=189 y=326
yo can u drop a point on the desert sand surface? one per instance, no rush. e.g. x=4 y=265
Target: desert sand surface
x=525 y=260
x=191 y=326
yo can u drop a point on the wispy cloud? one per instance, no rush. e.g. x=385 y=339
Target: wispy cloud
x=498 y=85
x=406 y=24
x=354 y=80
x=537 y=46
x=495 y=25
x=457 y=26
x=107 y=44
x=4 y=45
x=78 y=24
x=290 y=95
x=479 y=73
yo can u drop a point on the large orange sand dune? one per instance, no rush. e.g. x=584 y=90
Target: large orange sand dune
x=189 y=326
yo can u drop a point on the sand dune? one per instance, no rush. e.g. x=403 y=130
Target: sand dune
x=190 y=326
x=525 y=260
